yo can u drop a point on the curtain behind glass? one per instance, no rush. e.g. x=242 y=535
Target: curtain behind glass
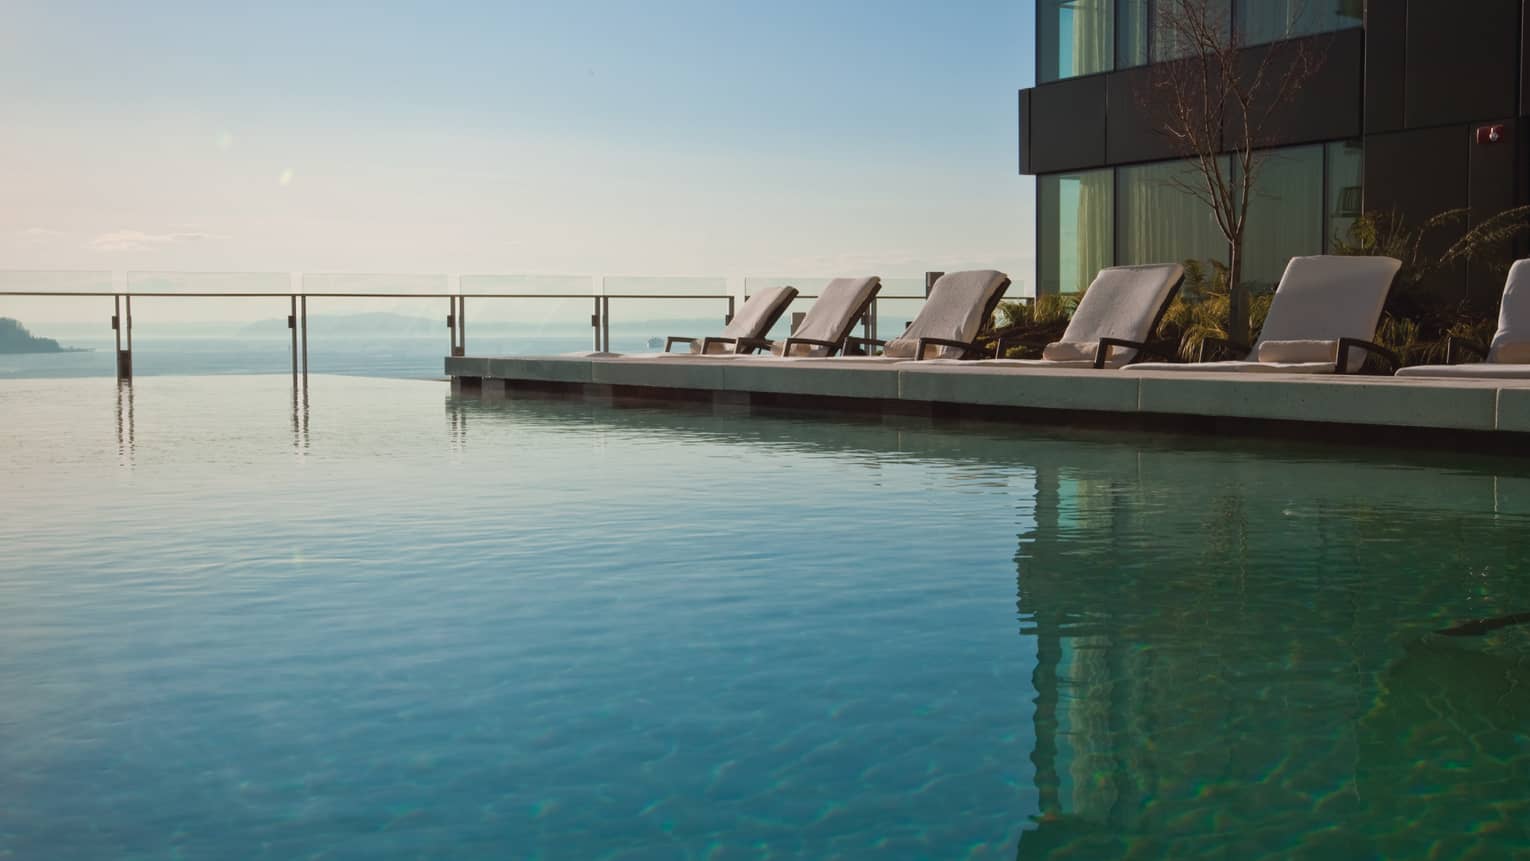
x=1285 y=216
x=1075 y=215
x=1092 y=28
x=1074 y=37
x=1095 y=216
x=1160 y=221
x=1132 y=34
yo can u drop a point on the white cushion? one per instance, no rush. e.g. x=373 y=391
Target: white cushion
x=1070 y=351
x=1297 y=351
x=954 y=311
x=752 y=320
x=1511 y=354
x=1328 y=297
x=1513 y=333
x=1123 y=302
x=832 y=314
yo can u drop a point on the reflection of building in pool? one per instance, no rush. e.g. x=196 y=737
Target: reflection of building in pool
x=1214 y=662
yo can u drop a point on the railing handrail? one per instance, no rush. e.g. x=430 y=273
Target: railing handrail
x=320 y=295
x=298 y=293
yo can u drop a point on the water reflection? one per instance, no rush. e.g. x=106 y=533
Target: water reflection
x=1235 y=658
x=1225 y=649
x=300 y=413
x=125 y=429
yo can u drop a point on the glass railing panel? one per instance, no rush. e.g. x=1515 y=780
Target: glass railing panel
x=510 y=315
x=47 y=281
x=53 y=334
x=210 y=283
x=379 y=284
x=528 y=285
x=643 y=310
x=358 y=321
x=664 y=285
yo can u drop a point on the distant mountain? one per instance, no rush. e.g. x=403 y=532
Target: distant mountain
x=14 y=338
x=363 y=325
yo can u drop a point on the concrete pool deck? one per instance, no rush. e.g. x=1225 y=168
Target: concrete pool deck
x=1390 y=409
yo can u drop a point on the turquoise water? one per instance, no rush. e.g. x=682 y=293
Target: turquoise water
x=397 y=625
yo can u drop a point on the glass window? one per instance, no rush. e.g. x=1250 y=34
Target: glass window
x=1076 y=213
x=1074 y=37
x=1285 y=215
x=1161 y=220
x=1268 y=20
x=1132 y=33
x=1148 y=31
x=1346 y=169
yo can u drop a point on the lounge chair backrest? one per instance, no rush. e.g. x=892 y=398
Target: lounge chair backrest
x=1513 y=335
x=1328 y=297
x=759 y=313
x=1123 y=302
x=957 y=307
x=834 y=312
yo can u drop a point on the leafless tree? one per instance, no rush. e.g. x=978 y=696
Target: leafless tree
x=1213 y=99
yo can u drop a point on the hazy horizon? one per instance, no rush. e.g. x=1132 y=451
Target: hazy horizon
x=689 y=138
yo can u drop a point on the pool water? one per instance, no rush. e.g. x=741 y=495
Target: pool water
x=388 y=623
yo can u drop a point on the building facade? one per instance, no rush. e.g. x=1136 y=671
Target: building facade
x=1417 y=108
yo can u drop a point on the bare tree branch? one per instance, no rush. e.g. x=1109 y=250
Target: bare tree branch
x=1190 y=96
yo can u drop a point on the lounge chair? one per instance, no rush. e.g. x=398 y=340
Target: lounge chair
x=1322 y=318
x=823 y=330
x=1113 y=322
x=953 y=314
x=842 y=304
x=746 y=331
x=1508 y=356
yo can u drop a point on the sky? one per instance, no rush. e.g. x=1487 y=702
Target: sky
x=668 y=137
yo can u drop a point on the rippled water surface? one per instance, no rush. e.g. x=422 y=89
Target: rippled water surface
x=391 y=624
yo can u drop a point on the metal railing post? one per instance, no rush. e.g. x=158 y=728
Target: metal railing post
x=292 y=326
x=117 y=333
x=462 y=325
x=595 y=323
x=605 y=324
x=125 y=358
x=729 y=317
x=303 y=316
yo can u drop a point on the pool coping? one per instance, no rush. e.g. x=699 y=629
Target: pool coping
x=1406 y=411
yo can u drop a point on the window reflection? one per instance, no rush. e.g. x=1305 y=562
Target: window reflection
x=1076 y=215
x=1074 y=37
x=1145 y=34
x=1304 y=198
x=1345 y=187
x=1285 y=215
x=1269 y=20
x=1162 y=219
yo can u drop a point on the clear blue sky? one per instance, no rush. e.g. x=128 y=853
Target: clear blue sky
x=659 y=137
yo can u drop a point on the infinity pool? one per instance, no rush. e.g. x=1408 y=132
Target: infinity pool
x=391 y=624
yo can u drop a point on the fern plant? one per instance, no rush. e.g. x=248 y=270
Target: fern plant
x=1420 y=315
